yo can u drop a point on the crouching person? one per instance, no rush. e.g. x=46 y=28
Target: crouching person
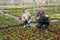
x=42 y=18
x=26 y=17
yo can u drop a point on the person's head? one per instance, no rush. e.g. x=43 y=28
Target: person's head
x=25 y=10
x=42 y=8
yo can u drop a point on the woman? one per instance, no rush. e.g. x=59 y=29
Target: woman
x=26 y=17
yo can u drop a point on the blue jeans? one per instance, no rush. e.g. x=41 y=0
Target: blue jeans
x=40 y=23
x=27 y=22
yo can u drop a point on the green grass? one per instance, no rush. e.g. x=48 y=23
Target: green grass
x=19 y=13
x=33 y=10
x=6 y=21
x=55 y=16
x=15 y=12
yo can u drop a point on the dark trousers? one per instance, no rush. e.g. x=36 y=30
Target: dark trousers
x=40 y=23
x=26 y=22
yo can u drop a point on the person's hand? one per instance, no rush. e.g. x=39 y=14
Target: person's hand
x=46 y=15
x=38 y=17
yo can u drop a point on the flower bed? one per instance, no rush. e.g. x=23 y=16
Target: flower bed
x=32 y=33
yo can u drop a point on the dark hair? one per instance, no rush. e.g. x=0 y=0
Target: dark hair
x=24 y=9
x=42 y=6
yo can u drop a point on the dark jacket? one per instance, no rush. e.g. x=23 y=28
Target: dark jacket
x=41 y=14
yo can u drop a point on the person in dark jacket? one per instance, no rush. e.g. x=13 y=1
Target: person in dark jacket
x=42 y=18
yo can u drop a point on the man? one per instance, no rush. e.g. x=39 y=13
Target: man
x=42 y=18
x=26 y=17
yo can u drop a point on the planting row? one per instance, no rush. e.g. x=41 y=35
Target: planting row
x=20 y=11
x=32 y=33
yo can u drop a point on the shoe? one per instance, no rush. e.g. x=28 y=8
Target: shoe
x=46 y=30
x=24 y=26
